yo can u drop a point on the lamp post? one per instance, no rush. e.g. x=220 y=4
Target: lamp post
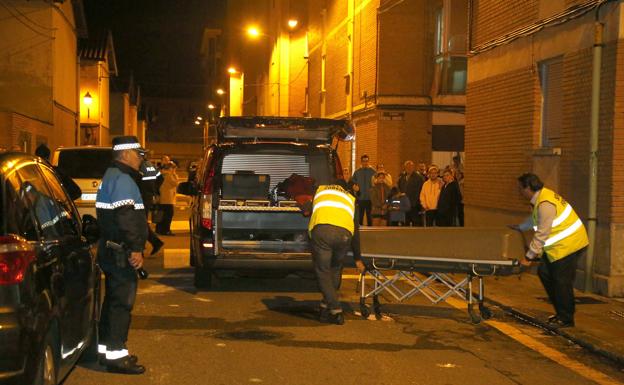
x=87 y=99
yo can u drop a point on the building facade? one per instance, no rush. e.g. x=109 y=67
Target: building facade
x=39 y=73
x=396 y=68
x=530 y=91
x=97 y=65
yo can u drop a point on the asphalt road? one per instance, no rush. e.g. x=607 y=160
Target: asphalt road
x=264 y=330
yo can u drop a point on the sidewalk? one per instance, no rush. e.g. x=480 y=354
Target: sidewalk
x=599 y=320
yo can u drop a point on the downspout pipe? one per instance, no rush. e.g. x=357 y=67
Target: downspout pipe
x=593 y=151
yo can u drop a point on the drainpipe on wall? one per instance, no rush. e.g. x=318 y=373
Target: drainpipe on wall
x=593 y=152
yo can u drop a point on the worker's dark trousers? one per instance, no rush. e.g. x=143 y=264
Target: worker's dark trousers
x=558 y=280
x=329 y=246
x=119 y=295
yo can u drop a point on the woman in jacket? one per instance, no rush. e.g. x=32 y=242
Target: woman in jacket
x=430 y=194
x=167 y=195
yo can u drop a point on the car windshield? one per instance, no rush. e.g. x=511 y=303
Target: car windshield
x=85 y=163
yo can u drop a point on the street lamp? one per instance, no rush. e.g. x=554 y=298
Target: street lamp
x=253 y=32
x=292 y=23
x=220 y=91
x=87 y=99
x=232 y=70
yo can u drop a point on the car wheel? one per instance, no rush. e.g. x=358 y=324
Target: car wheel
x=203 y=277
x=46 y=367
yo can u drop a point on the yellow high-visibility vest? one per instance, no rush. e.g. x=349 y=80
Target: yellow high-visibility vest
x=333 y=205
x=567 y=234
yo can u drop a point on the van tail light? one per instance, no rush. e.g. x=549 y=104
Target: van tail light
x=206 y=198
x=16 y=255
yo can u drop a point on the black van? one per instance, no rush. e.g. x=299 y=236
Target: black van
x=240 y=219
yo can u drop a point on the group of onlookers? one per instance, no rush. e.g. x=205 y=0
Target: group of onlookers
x=421 y=196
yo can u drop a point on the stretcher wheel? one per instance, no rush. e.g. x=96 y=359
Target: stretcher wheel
x=486 y=313
x=474 y=317
x=364 y=312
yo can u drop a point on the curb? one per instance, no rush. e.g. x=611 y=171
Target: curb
x=615 y=357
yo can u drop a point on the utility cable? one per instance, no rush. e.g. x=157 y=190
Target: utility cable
x=22 y=22
x=31 y=20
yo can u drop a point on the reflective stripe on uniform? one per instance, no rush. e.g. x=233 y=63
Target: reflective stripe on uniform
x=101 y=349
x=559 y=220
x=114 y=205
x=565 y=233
x=116 y=354
x=333 y=204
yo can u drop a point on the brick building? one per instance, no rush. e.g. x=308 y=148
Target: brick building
x=529 y=108
x=397 y=68
x=39 y=72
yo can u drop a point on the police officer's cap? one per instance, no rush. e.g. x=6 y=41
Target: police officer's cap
x=129 y=142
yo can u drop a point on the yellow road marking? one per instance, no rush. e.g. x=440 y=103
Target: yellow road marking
x=546 y=351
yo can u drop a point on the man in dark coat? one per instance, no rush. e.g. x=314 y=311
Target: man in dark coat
x=411 y=183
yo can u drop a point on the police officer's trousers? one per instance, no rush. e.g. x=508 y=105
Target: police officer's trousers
x=119 y=296
x=329 y=247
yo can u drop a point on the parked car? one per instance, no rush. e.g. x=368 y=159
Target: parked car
x=237 y=220
x=86 y=165
x=49 y=280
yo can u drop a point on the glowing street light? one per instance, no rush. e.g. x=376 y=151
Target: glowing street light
x=211 y=106
x=197 y=122
x=220 y=91
x=199 y=118
x=253 y=32
x=87 y=99
x=232 y=70
x=292 y=23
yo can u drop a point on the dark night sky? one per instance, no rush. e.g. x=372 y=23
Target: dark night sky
x=158 y=41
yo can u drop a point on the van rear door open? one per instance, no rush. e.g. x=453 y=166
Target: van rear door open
x=268 y=129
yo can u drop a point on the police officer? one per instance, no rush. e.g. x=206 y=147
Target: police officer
x=151 y=179
x=333 y=231
x=560 y=238
x=121 y=217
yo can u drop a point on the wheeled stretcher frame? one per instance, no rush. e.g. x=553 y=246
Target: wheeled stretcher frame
x=431 y=278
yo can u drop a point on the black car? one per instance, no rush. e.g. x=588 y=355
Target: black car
x=239 y=217
x=49 y=280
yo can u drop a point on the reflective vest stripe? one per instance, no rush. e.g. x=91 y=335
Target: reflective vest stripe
x=565 y=233
x=333 y=204
x=559 y=220
x=335 y=193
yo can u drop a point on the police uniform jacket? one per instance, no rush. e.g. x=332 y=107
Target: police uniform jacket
x=151 y=179
x=120 y=209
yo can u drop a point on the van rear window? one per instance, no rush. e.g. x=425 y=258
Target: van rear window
x=278 y=166
x=85 y=163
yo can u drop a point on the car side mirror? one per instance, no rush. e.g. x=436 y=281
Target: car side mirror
x=187 y=188
x=90 y=228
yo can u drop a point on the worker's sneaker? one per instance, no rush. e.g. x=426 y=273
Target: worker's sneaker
x=559 y=324
x=337 y=318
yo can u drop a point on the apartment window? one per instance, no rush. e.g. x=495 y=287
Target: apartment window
x=450 y=47
x=551 y=79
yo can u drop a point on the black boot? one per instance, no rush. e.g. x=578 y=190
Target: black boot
x=124 y=365
x=102 y=358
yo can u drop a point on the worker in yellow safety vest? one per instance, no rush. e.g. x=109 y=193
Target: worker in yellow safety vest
x=333 y=230
x=560 y=238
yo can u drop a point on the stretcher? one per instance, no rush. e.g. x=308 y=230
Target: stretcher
x=437 y=263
